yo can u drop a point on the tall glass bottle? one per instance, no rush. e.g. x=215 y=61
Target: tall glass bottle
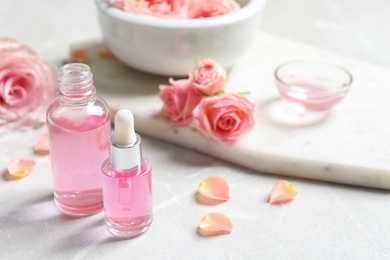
x=79 y=126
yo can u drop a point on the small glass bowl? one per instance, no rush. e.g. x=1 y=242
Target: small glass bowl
x=312 y=87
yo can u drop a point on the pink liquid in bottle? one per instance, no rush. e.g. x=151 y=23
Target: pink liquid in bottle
x=77 y=151
x=128 y=199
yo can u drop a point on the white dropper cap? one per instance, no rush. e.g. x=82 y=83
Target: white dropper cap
x=125 y=145
x=124 y=134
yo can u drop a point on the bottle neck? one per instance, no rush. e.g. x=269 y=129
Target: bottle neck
x=124 y=158
x=75 y=84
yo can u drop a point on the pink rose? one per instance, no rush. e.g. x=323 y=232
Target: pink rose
x=210 y=8
x=225 y=118
x=167 y=9
x=208 y=77
x=12 y=46
x=179 y=99
x=27 y=85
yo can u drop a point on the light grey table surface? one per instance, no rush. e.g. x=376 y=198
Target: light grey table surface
x=325 y=221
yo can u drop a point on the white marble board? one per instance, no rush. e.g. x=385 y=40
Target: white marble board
x=350 y=146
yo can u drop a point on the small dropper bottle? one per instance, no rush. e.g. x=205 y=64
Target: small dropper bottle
x=127 y=181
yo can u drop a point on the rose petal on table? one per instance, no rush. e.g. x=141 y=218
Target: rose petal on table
x=79 y=55
x=214 y=224
x=42 y=145
x=214 y=188
x=105 y=52
x=283 y=191
x=20 y=168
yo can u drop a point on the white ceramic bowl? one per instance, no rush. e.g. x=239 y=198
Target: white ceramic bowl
x=171 y=47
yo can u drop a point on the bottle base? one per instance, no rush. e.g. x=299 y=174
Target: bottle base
x=128 y=228
x=79 y=204
x=78 y=212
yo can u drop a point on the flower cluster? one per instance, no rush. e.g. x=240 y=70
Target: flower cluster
x=27 y=85
x=200 y=100
x=177 y=9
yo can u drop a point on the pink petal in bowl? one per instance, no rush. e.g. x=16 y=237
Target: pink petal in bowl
x=42 y=145
x=283 y=191
x=214 y=188
x=214 y=224
x=20 y=168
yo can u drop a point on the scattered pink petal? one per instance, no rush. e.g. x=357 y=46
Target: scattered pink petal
x=20 y=168
x=215 y=224
x=42 y=145
x=105 y=52
x=283 y=191
x=79 y=55
x=214 y=188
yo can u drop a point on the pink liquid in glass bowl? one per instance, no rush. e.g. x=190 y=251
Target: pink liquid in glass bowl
x=312 y=86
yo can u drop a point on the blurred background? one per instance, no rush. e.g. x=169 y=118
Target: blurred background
x=355 y=28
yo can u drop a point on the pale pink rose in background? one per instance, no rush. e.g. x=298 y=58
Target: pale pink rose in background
x=225 y=118
x=211 y=8
x=179 y=99
x=166 y=9
x=8 y=45
x=27 y=85
x=208 y=77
